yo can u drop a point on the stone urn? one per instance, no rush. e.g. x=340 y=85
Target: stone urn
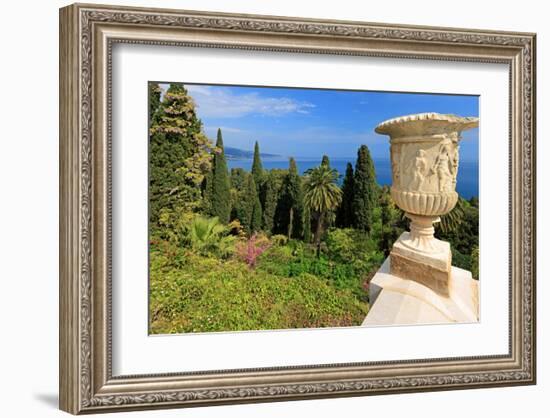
x=424 y=159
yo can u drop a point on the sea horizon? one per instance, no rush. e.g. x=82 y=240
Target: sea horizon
x=467 y=182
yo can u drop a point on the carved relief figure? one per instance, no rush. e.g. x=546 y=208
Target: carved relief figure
x=419 y=167
x=445 y=167
x=455 y=163
x=395 y=160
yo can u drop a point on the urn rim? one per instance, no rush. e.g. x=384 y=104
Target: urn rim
x=427 y=123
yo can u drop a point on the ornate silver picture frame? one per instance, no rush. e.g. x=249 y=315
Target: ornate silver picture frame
x=87 y=36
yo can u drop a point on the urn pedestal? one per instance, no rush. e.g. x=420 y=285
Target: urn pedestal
x=424 y=157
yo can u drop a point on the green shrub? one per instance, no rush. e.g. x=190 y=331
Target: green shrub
x=341 y=244
x=279 y=239
x=173 y=225
x=460 y=260
x=349 y=246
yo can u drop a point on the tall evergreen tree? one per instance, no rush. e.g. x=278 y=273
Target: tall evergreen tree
x=220 y=198
x=179 y=155
x=325 y=162
x=365 y=190
x=257 y=169
x=249 y=210
x=344 y=215
x=269 y=197
x=256 y=218
x=238 y=178
x=294 y=199
x=154 y=99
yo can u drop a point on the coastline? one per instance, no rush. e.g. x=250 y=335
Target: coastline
x=467 y=183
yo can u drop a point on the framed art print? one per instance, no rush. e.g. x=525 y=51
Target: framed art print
x=259 y=208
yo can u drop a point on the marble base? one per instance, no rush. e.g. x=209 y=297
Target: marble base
x=429 y=268
x=398 y=301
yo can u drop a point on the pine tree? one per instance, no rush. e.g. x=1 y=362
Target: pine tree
x=294 y=199
x=344 y=215
x=219 y=190
x=257 y=170
x=365 y=192
x=179 y=154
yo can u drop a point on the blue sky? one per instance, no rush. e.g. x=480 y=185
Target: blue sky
x=307 y=123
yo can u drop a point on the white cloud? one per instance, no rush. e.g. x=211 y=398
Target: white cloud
x=229 y=129
x=211 y=131
x=220 y=103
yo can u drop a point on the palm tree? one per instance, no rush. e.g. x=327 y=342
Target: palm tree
x=209 y=235
x=321 y=196
x=452 y=220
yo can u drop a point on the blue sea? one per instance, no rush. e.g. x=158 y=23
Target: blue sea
x=467 y=183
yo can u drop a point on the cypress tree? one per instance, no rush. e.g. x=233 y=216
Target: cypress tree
x=220 y=200
x=280 y=217
x=249 y=211
x=294 y=198
x=241 y=209
x=270 y=195
x=238 y=178
x=257 y=170
x=344 y=215
x=154 y=99
x=256 y=218
x=325 y=161
x=364 y=196
x=178 y=156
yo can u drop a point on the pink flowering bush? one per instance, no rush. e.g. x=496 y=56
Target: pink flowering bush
x=249 y=250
